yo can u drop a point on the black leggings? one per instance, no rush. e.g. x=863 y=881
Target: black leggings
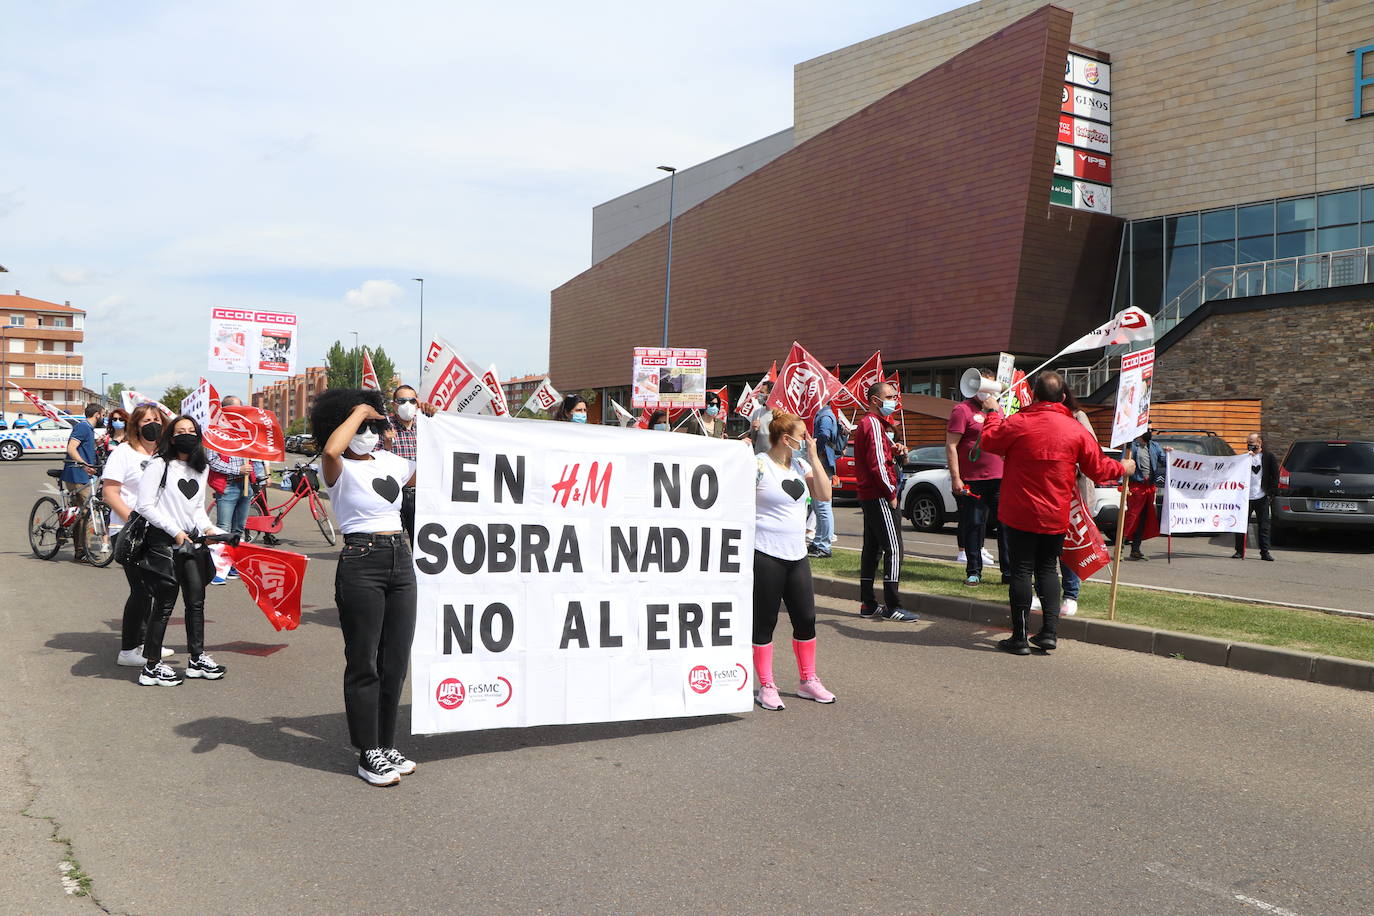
x=137 y=607
x=777 y=581
x=181 y=572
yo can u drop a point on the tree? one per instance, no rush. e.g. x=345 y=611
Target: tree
x=297 y=427
x=114 y=391
x=174 y=395
x=345 y=366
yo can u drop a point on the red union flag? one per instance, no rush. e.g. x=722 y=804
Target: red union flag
x=723 y=392
x=896 y=382
x=369 y=373
x=1085 y=552
x=273 y=579
x=245 y=432
x=448 y=381
x=804 y=385
x=854 y=393
x=498 y=405
x=43 y=406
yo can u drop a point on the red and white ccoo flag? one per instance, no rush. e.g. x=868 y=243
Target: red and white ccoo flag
x=545 y=397
x=369 y=373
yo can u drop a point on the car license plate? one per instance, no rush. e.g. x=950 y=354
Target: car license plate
x=1326 y=505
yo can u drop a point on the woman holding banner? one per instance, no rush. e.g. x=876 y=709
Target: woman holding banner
x=374 y=584
x=782 y=572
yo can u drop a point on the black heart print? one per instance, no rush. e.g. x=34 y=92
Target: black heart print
x=793 y=487
x=188 y=488
x=387 y=488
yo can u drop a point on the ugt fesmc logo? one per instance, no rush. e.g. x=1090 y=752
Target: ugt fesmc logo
x=702 y=679
x=453 y=693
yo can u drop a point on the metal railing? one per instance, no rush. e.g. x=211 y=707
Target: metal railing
x=1259 y=278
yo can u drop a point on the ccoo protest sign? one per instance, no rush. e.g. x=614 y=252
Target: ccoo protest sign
x=1133 y=389
x=572 y=573
x=1205 y=493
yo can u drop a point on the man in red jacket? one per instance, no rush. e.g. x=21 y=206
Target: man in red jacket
x=1041 y=447
x=875 y=469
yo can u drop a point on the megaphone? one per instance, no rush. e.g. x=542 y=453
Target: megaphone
x=974 y=384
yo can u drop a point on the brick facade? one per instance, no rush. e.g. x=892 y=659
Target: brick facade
x=920 y=225
x=1311 y=364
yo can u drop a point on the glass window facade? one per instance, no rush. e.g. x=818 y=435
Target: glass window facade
x=1164 y=256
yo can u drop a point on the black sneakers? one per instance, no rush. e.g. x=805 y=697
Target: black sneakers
x=1014 y=647
x=897 y=613
x=869 y=611
x=205 y=667
x=376 y=770
x=158 y=675
x=404 y=765
x=1043 y=642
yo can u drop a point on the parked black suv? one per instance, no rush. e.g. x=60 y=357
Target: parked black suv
x=1197 y=441
x=1325 y=483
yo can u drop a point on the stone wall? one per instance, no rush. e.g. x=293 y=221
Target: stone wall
x=1312 y=365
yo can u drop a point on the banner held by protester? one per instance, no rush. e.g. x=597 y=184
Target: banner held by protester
x=579 y=574
x=1208 y=493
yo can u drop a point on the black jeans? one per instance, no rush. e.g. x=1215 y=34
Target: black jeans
x=1034 y=555
x=974 y=512
x=1260 y=509
x=882 y=537
x=374 y=587
x=137 y=608
x=783 y=582
x=408 y=514
x=167 y=572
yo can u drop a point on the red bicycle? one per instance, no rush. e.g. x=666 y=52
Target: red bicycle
x=268 y=520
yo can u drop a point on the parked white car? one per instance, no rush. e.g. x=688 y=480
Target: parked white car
x=42 y=437
x=928 y=502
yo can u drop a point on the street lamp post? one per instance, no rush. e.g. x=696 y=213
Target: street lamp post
x=356 y=382
x=102 y=388
x=668 y=271
x=421 y=281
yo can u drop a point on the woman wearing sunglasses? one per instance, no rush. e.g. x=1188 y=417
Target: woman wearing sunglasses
x=374 y=584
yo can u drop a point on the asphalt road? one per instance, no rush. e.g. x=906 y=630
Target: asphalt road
x=949 y=778
x=1326 y=570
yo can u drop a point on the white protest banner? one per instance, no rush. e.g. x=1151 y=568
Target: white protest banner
x=571 y=573
x=1006 y=365
x=667 y=377
x=196 y=405
x=544 y=397
x=1205 y=493
x=498 y=405
x=253 y=341
x=1133 y=388
x=449 y=382
x=131 y=399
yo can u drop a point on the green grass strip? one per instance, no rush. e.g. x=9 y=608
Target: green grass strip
x=1288 y=628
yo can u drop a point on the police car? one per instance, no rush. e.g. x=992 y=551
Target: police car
x=43 y=437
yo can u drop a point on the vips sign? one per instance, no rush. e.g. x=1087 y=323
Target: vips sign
x=1205 y=493
x=245 y=340
x=572 y=573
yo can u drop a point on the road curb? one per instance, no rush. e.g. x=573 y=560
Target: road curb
x=1243 y=656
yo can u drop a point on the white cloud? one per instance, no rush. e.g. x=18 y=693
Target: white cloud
x=78 y=276
x=374 y=296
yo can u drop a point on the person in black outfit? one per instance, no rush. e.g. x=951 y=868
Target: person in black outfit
x=1264 y=483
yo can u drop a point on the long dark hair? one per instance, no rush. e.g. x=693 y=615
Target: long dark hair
x=167 y=450
x=565 y=408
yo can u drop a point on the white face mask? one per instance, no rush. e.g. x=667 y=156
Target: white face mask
x=407 y=412
x=363 y=443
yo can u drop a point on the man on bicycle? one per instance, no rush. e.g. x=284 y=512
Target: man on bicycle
x=79 y=466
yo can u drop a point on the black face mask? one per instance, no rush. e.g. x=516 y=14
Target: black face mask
x=150 y=431
x=186 y=443
x=1147 y=437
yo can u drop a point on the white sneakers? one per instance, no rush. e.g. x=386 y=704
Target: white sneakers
x=1067 y=607
x=133 y=658
x=1035 y=603
x=962 y=557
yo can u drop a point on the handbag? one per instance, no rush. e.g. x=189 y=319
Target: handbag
x=132 y=539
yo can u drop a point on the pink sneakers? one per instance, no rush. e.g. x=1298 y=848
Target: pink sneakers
x=815 y=690
x=768 y=697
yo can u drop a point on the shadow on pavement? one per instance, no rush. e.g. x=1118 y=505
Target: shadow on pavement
x=920 y=633
x=100 y=648
x=325 y=616
x=321 y=742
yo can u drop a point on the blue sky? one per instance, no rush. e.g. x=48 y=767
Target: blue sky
x=161 y=159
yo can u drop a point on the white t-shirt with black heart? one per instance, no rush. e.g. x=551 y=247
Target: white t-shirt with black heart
x=780 y=508
x=180 y=506
x=367 y=494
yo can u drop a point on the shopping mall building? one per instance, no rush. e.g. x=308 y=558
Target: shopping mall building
x=1007 y=175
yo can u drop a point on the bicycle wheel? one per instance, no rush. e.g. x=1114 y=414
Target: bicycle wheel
x=322 y=519
x=99 y=543
x=45 y=528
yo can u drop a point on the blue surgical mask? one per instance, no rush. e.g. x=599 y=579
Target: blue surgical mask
x=579 y=418
x=889 y=405
x=661 y=426
x=712 y=411
x=117 y=424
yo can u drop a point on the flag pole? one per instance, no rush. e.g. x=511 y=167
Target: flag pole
x=1120 y=536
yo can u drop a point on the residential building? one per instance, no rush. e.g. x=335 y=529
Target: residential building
x=39 y=350
x=292 y=397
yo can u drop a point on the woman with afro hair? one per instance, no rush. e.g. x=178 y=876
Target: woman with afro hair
x=374 y=585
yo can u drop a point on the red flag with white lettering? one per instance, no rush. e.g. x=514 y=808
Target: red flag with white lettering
x=369 y=373
x=273 y=579
x=804 y=386
x=1085 y=551
x=43 y=406
x=854 y=394
x=244 y=432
